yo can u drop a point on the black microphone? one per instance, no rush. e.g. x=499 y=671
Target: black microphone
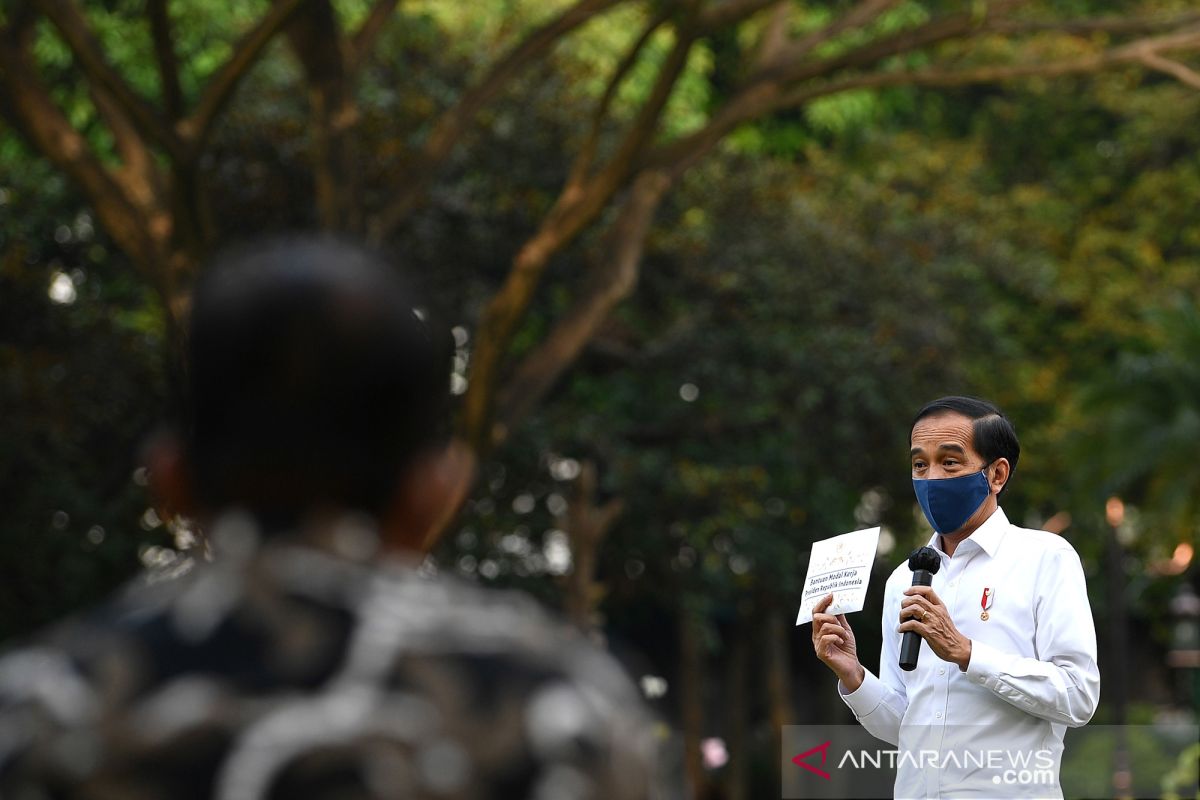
x=924 y=562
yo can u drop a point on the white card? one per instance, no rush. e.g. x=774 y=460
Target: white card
x=841 y=565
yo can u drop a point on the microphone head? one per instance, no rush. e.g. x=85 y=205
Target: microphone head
x=925 y=558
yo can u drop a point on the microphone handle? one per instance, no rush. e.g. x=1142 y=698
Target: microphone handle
x=910 y=645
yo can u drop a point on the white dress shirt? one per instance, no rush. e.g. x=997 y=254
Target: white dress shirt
x=1032 y=670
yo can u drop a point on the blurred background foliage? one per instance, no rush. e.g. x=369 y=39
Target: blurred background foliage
x=804 y=289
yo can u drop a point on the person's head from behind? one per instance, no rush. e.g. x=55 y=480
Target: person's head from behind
x=315 y=388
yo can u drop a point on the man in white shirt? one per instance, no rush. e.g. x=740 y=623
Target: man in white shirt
x=1008 y=647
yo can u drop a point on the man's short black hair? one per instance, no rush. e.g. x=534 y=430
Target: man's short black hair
x=993 y=434
x=313 y=381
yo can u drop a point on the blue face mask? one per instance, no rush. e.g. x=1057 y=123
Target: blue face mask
x=949 y=502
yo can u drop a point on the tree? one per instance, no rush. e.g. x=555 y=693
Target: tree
x=1147 y=420
x=140 y=161
x=857 y=179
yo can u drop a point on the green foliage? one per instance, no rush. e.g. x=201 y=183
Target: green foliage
x=841 y=114
x=81 y=385
x=1147 y=422
x=1183 y=774
x=1149 y=754
x=805 y=289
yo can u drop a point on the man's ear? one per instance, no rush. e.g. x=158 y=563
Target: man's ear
x=169 y=477
x=1001 y=470
x=429 y=495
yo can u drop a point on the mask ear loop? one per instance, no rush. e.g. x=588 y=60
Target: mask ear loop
x=986 y=477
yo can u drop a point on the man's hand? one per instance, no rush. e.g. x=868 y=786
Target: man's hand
x=834 y=644
x=923 y=612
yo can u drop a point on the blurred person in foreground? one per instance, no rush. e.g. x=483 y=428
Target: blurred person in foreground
x=310 y=658
x=1008 y=647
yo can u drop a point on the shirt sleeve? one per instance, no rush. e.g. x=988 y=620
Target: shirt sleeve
x=1062 y=684
x=879 y=702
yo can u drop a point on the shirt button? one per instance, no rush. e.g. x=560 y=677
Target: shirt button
x=942 y=671
x=938 y=715
x=953 y=584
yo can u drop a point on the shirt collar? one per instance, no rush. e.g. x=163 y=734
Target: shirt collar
x=237 y=536
x=987 y=535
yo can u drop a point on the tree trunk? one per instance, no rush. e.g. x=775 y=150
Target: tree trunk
x=586 y=524
x=609 y=282
x=317 y=43
x=777 y=665
x=691 y=699
x=737 y=777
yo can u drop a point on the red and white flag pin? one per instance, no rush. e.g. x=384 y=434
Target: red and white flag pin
x=986 y=602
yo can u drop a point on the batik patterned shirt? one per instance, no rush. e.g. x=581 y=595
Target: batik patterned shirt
x=313 y=667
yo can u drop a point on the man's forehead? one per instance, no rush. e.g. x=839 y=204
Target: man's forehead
x=949 y=429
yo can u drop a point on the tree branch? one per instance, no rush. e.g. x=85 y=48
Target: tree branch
x=729 y=12
x=1115 y=25
x=934 y=32
x=774 y=36
x=587 y=151
x=139 y=175
x=363 y=40
x=586 y=524
x=36 y=116
x=857 y=17
x=763 y=89
x=316 y=42
x=89 y=55
x=451 y=124
x=767 y=97
x=1180 y=72
x=21 y=18
x=575 y=208
x=196 y=128
x=610 y=281
x=531 y=48
x=165 y=58
x=647 y=119
x=1132 y=53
